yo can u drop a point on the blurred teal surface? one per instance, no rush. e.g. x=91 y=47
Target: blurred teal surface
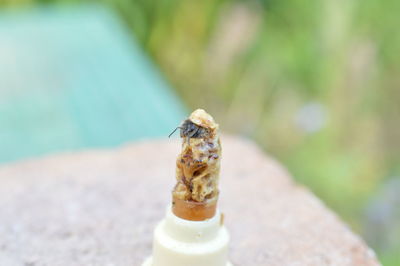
x=73 y=78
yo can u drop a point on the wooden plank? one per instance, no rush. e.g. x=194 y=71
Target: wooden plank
x=74 y=78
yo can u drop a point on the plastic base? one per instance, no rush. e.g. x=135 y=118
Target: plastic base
x=179 y=242
x=149 y=262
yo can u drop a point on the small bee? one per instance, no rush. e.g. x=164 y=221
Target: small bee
x=191 y=130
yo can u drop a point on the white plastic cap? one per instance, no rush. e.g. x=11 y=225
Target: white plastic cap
x=179 y=242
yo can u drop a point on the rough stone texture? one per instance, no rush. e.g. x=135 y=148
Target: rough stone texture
x=100 y=207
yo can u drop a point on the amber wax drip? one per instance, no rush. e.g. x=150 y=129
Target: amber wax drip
x=195 y=194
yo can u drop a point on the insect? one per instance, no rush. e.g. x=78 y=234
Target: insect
x=191 y=130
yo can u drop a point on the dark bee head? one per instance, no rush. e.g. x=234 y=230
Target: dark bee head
x=191 y=130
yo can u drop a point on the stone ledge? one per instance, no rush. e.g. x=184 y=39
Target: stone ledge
x=100 y=207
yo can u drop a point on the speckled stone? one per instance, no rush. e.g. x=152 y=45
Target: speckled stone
x=99 y=207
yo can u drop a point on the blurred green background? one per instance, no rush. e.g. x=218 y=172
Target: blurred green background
x=314 y=83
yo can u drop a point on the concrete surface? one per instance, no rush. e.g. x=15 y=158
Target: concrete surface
x=99 y=208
